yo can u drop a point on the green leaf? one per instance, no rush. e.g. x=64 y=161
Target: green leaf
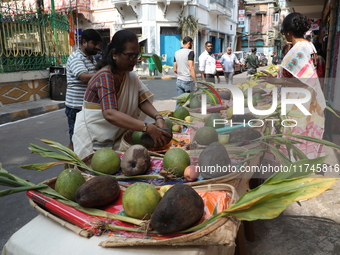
x=42 y=166
x=7 y=192
x=298 y=152
x=332 y=111
x=10 y=182
x=302 y=168
x=158 y=62
x=215 y=211
x=279 y=155
x=48 y=153
x=61 y=148
x=209 y=93
x=313 y=139
x=245 y=160
x=182 y=96
x=4 y=173
x=155 y=58
x=263 y=202
x=252 y=151
x=267 y=207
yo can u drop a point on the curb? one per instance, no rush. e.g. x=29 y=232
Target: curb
x=158 y=77
x=22 y=114
x=8 y=116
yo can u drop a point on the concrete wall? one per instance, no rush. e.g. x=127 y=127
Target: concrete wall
x=24 y=86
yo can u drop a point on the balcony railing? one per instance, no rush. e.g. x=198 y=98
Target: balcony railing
x=223 y=3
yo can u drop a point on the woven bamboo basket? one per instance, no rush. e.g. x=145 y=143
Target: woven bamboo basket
x=223 y=231
x=126 y=143
x=79 y=231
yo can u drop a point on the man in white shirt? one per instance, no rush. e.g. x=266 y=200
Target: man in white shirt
x=207 y=64
x=227 y=61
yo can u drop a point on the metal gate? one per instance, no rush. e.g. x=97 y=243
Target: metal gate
x=31 y=38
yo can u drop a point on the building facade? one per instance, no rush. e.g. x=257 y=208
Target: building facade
x=158 y=24
x=261 y=26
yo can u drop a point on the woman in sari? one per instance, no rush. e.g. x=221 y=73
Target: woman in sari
x=116 y=101
x=297 y=70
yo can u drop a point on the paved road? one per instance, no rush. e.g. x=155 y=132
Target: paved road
x=15 y=138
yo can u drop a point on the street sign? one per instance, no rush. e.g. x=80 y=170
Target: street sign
x=241 y=18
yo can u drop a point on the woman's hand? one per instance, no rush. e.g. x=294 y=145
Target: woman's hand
x=158 y=135
x=161 y=123
x=268 y=77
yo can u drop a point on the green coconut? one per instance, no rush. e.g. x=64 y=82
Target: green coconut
x=209 y=122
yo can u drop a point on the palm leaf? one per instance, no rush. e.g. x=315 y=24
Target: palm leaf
x=278 y=154
x=209 y=93
x=155 y=59
x=315 y=140
x=332 y=111
x=44 y=166
x=298 y=152
x=48 y=153
x=245 y=160
x=211 y=87
x=252 y=151
x=7 y=192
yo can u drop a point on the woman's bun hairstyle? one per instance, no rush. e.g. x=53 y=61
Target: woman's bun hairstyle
x=296 y=23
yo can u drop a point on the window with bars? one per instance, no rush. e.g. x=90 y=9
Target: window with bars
x=275 y=18
x=259 y=21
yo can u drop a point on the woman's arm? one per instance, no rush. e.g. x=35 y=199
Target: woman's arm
x=151 y=111
x=285 y=82
x=123 y=120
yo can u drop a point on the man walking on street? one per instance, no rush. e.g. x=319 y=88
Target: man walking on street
x=185 y=68
x=253 y=62
x=207 y=64
x=80 y=69
x=275 y=58
x=227 y=61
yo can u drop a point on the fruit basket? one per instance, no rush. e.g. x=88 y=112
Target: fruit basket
x=222 y=231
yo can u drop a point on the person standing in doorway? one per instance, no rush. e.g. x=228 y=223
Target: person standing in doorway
x=207 y=64
x=227 y=61
x=185 y=68
x=80 y=67
x=252 y=62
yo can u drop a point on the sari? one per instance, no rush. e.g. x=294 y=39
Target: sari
x=92 y=131
x=298 y=64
